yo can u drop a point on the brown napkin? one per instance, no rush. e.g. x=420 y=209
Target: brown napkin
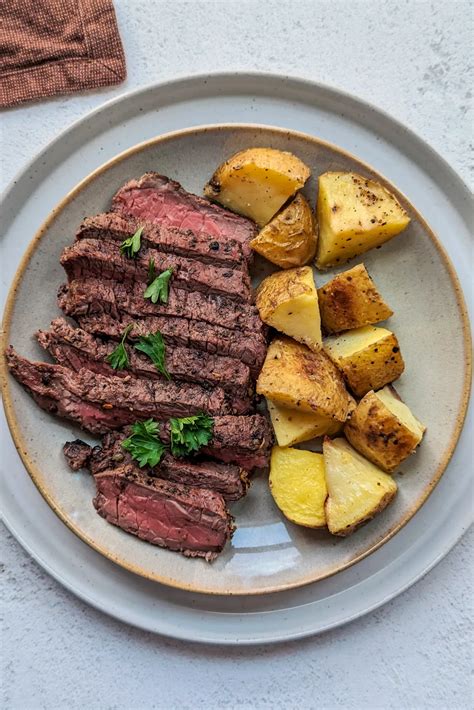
x=52 y=47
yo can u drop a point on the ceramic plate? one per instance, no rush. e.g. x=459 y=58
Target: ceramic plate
x=267 y=553
x=440 y=196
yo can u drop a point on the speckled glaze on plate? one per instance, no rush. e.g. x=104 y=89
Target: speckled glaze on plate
x=267 y=553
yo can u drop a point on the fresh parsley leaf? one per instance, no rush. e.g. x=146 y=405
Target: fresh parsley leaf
x=151 y=271
x=153 y=345
x=189 y=434
x=118 y=358
x=158 y=290
x=131 y=246
x=144 y=445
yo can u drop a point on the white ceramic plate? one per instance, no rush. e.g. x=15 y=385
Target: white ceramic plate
x=433 y=188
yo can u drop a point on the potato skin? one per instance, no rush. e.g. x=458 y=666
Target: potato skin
x=378 y=435
x=344 y=532
x=257 y=182
x=298 y=378
x=355 y=214
x=288 y=301
x=370 y=369
x=291 y=237
x=351 y=300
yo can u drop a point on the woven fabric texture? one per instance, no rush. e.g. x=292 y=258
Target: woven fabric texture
x=50 y=47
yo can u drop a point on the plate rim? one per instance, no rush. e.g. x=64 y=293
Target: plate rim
x=34 y=471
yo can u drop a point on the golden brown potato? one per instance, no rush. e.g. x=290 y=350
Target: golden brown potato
x=369 y=357
x=357 y=490
x=351 y=300
x=383 y=429
x=298 y=485
x=296 y=377
x=290 y=238
x=354 y=215
x=288 y=301
x=257 y=182
x=291 y=426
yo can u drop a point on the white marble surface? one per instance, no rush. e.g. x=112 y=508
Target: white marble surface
x=411 y=59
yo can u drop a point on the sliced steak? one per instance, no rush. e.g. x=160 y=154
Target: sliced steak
x=77 y=454
x=75 y=348
x=225 y=478
x=244 y=440
x=169 y=240
x=90 y=295
x=249 y=347
x=102 y=259
x=78 y=395
x=155 y=198
x=193 y=521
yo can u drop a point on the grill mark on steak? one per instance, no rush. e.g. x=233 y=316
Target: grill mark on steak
x=102 y=259
x=75 y=348
x=228 y=479
x=193 y=521
x=90 y=295
x=156 y=198
x=248 y=347
x=170 y=240
x=126 y=401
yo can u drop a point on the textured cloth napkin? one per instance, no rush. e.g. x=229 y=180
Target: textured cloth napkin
x=52 y=47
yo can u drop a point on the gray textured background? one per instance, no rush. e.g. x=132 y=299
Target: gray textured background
x=411 y=59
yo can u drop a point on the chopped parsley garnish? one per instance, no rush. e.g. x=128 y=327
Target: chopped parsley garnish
x=189 y=434
x=158 y=290
x=144 y=445
x=153 y=345
x=118 y=358
x=131 y=246
x=151 y=271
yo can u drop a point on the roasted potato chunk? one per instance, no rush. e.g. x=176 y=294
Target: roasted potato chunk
x=383 y=429
x=296 y=377
x=357 y=490
x=257 y=182
x=351 y=300
x=290 y=238
x=369 y=357
x=288 y=301
x=354 y=215
x=298 y=485
x=292 y=426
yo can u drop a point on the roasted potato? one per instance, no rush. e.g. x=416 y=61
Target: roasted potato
x=351 y=300
x=290 y=238
x=298 y=485
x=288 y=301
x=354 y=215
x=369 y=357
x=292 y=426
x=296 y=377
x=383 y=429
x=257 y=182
x=357 y=490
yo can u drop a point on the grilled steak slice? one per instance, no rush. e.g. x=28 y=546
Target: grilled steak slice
x=155 y=198
x=90 y=295
x=225 y=478
x=75 y=348
x=77 y=395
x=77 y=454
x=248 y=347
x=169 y=240
x=93 y=257
x=246 y=441
x=193 y=521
